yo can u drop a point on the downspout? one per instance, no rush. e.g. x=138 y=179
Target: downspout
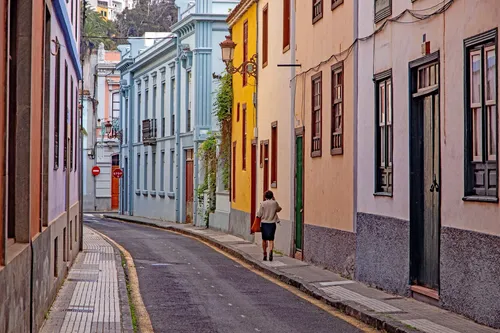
x=177 y=134
x=292 y=117
x=355 y=118
x=82 y=26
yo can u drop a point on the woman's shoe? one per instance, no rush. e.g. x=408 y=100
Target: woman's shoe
x=265 y=257
x=271 y=256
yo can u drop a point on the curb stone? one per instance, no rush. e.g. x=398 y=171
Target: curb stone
x=352 y=309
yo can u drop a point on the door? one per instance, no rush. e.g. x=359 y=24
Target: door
x=299 y=193
x=115 y=183
x=265 y=185
x=425 y=182
x=253 y=185
x=189 y=186
x=125 y=187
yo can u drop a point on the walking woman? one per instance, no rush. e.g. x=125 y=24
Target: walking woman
x=268 y=213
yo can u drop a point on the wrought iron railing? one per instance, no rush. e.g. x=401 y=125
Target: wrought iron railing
x=149 y=131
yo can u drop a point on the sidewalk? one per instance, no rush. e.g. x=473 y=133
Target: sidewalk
x=372 y=306
x=94 y=296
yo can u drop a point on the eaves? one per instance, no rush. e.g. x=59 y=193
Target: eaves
x=153 y=56
x=239 y=10
x=124 y=65
x=187 y=23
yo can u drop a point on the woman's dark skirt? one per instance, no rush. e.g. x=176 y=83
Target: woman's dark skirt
x=268 y=230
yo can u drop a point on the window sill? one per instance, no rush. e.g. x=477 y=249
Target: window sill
x=479 y=198
x=274 y=184
x=317 y=18
x=316 y=153
x=286 y=48
x=171 y=195
x=138 y=192
x=382 y=194
x=145 y=193
x=161 y=194
x=13 y=250
x=336 y=151
x=152 y=193
x=336 y=4
x=264 y=65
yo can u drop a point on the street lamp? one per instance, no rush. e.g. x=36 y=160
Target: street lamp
x=247 y=67
x=108 y=127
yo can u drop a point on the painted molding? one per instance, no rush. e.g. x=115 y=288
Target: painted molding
x=67 y=30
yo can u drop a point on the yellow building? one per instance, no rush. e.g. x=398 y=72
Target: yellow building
x=103 y=11
x=242 y=22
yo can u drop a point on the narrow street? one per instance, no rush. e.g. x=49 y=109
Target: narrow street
x=187 y=286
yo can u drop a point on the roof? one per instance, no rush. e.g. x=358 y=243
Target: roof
x=238 y=11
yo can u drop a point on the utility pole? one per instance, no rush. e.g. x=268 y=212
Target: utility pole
x=80 y=175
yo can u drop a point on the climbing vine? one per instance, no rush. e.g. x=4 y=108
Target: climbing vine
x=215 y=151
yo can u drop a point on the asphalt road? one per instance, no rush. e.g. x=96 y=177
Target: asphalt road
x=187 y=286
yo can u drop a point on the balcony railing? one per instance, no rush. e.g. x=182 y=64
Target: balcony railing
x=149 y=131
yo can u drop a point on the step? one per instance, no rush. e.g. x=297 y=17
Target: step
x=426 y=295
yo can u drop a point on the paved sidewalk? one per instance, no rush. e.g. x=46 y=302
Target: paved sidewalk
x=94 y=294
x=372 y=306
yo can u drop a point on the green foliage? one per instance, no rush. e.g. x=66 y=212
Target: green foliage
x=96 y=30
x=207 y=152
x=147 y=16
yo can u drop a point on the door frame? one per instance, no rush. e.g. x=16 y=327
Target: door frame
x=299 y=132
x=113 y=166
x=253 y=180
x=416 y=163
x=185 y=211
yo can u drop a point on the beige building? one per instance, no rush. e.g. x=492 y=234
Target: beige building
x=428 y=221
x=325 y=132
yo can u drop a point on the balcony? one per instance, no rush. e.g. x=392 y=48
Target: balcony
x=149 y=132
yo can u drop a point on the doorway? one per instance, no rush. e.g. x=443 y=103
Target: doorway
x=265 y=179
x=115 y=183
x=299 y=192
x=253 y=185
x=425 y=167
x=189 y=186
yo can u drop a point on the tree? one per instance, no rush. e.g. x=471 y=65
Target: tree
x=96 y=30
x=147 y=16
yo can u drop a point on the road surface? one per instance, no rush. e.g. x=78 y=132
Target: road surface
x=187 y=286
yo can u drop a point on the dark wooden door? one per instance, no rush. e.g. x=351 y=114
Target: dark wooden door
x=115 y=183
x=253 y=185
x=425 y=222
x=265 y=184
x=189 y=186
x=299 y=192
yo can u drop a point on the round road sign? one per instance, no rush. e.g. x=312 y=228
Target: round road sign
x=96 y=170
x=118 y=173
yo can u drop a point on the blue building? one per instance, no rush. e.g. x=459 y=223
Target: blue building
x=166 y=112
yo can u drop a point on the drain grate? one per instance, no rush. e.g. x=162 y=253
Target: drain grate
x=86 y=309
x=82 y=280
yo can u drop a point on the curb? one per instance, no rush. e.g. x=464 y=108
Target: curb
x=352 y=309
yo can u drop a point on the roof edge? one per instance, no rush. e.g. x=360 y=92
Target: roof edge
x=239 y=10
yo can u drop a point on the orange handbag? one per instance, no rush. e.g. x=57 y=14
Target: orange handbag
x=256 y=225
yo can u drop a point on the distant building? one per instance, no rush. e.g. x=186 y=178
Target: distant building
x=109 y=9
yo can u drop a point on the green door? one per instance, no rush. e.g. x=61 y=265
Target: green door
x=299 y=192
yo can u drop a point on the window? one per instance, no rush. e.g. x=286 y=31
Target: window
x=337 y=142
x=171 y=175
x=383 y=102
x=316 y=115
x=153 y=173
x=383 y=9
x=72 y=104
x=57 y=110
x=245 y=50
x=66 y=110
x=274 y=154
x=481 y=116
x=76 y=125
x=154 y=102
x=238 y=112
x=162 y=106
x=172 y=105
x=146 y=171
x=162 y=172
x=115 y=108
x=265 y=35
x=286 y=25
x=336 y=3
x=233 y=188
x=76 y=228
x=190 y=98
x=65 y=246
x=317 y=10
x=125 y=133
x=146 y=105
x=56 y=257
x=139 y=103
x=138 y=172
x=244 y=137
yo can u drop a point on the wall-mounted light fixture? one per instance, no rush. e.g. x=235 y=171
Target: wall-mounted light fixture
x=247 y=67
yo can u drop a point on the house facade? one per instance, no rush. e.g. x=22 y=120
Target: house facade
x=242 y=23
x=427 y=162
x=167 y=92
x=40 y=226
x=101 y=149
x=325 y=120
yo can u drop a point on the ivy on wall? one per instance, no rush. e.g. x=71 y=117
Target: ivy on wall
x=215 y=151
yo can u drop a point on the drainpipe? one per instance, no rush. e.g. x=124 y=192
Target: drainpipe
x=355 y=118
x=292 y=118
x=177 y=132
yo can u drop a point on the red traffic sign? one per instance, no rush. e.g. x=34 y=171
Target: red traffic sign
x=96 y=170
x=118 y=173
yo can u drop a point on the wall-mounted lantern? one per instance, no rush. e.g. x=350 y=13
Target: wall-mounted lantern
x=248 y=67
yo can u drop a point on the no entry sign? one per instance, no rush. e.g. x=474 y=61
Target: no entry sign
x=118 y=173
x=96 y=170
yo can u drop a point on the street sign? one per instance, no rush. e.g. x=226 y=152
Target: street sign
x=118 y=173
x=96 y=170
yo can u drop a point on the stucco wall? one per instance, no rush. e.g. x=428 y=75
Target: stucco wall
x=328 y=180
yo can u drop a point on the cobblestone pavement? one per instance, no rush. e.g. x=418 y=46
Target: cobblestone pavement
x=89 y=300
